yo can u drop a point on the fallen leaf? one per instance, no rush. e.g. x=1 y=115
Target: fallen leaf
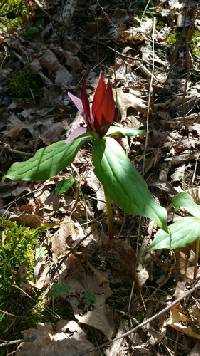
x=68 y=339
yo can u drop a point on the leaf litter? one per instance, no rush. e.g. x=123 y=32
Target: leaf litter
x=101 y=281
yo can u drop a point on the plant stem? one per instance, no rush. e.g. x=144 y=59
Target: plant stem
x=109 y=212
x=196 y=258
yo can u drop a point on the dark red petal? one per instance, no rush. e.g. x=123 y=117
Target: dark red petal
x=98 y=99
x=108 y=105
x=86 y=105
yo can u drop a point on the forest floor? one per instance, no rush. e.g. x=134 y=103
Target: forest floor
x=69 y=290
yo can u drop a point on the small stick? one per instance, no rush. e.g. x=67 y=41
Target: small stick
x=9 y=343
x=109 y=216
x=145 y=322
x=196 y=258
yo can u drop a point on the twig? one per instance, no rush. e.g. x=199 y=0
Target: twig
x=149 y=320
x=149 y=96
x=9 y=343
x=7 y=147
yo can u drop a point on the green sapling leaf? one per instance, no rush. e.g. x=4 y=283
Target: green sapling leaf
x=123 y=183
x=182 y=232
x=184 y=200
x=48 y=161
x=124 y=131
x=64 y=185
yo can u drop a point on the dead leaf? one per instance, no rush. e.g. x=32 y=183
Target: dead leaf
x=54 y=133
x=63 y=77
x=49 y=61
x=30 y=220
x=68 y=339
x=100 y=317
x=180 y=321
x=68 y=233
x=128 y=100
x=142 y=275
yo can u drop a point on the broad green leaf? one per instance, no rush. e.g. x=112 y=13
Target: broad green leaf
x=182 y=232
x=123 y=183
x=184 y=200
x=64 y=185
x=48 y=161
x=125 y=131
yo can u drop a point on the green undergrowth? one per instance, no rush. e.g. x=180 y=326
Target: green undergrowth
x=18 y=298
x=173 y=37
x=196 y=43
x=25 y=83
x=12 y=13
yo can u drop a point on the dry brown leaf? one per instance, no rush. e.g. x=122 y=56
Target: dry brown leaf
x=69 y=232
x=49 y=61
x=53 y=133
x=180 y=321
x=63 y=77
x=30 y=220
x=128 y=100
x=68 y=339
x=100 y=317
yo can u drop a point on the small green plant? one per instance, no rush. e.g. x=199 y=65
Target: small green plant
x=12 y=13
x=122 y=183
x=25 y=83
x=17 y=245
x=64 y=185
x=195 y=43
x=173 y=37
x=185 y=230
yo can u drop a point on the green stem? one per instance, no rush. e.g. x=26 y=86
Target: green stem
x=109 y=212
x=196 y=258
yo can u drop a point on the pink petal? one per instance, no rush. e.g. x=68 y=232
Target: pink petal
x=76 y=133
x=77 y=102
x=86 y=106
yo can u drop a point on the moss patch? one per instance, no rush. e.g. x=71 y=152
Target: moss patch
x=24 y=84
x=17 y=261
x=12 y=13
x=196 y=44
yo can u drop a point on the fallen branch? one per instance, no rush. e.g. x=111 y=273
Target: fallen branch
x=9 y=343
x=147 y=321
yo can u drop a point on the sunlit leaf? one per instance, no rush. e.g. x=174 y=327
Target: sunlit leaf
x=124 y=131
x=184 y=200
x=123 y=183
x=48 y=161
x=64 y=185
x=182 y=232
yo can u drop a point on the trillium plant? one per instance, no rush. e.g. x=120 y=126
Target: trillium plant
x=122 y=183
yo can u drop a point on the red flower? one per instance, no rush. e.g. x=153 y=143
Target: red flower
x=101 y=114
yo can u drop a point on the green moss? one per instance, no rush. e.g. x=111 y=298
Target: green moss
x=18 y=310
x=24 y=84
x=12 y=13
x=195 y=45
x=173 y=37
x=17 y=245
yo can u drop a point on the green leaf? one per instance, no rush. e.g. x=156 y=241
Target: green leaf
x=184 y=200
x=182 y=232
x=88 y=298
x=123 y=183
x=48 y=161
x=125 y=131
x=64 y=185
x=59 y=290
